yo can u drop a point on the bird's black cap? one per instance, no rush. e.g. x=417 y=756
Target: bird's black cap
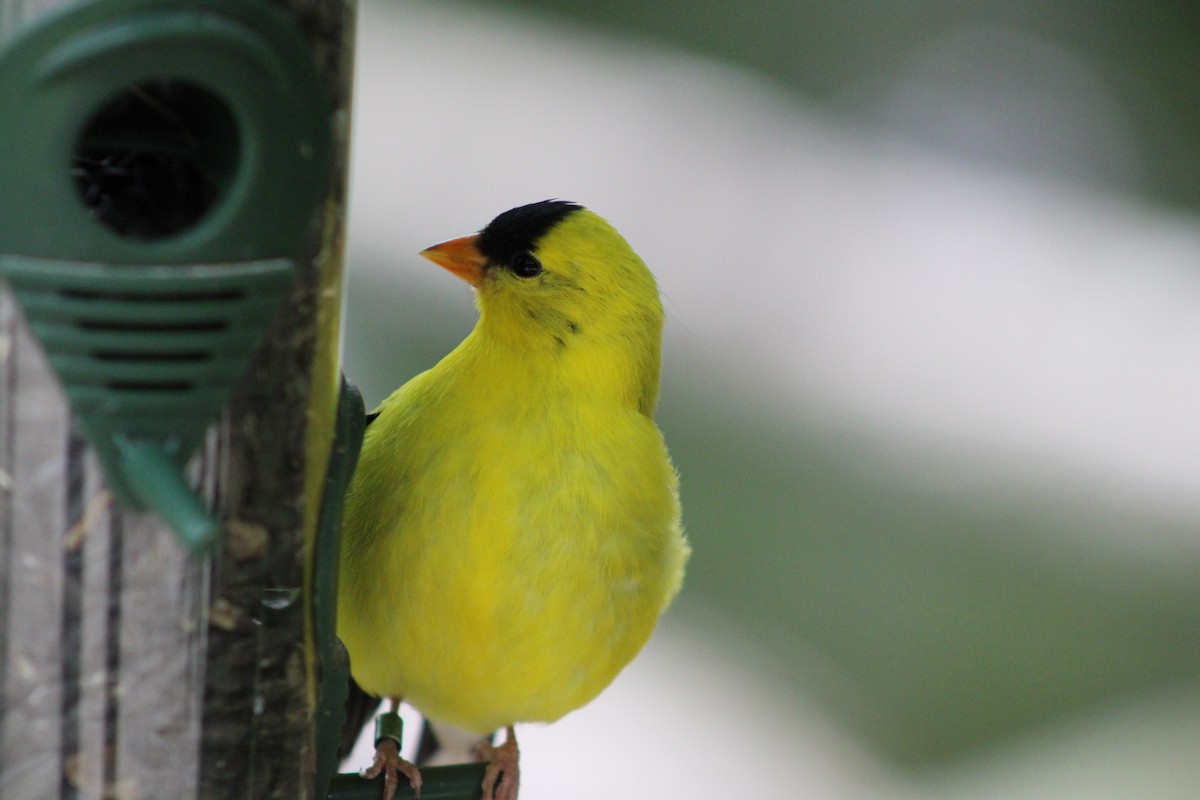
x=518 y=229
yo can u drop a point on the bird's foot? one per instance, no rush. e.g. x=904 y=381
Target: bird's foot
x=389 y=763
x=502 y=777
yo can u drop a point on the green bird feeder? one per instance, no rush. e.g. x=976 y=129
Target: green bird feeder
x=161 y=165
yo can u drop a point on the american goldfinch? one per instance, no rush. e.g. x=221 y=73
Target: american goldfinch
x=512 y=531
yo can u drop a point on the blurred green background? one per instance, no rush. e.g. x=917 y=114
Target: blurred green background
x=840 y=54
x=942 y=621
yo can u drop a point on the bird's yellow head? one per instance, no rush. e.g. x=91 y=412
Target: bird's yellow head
x=553 y=278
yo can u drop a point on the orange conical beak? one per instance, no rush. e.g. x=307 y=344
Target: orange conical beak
x=461 y=256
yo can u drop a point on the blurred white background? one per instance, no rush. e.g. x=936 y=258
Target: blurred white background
x=986 y=317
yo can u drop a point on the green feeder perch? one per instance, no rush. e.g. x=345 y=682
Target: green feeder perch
x=161 y=163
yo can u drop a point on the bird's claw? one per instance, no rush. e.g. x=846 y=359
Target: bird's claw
x=390 y=764
x=502 y=777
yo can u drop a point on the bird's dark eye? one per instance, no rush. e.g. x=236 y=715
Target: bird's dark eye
x=526 y=265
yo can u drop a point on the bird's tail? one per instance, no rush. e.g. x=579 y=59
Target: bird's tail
x=360 y=708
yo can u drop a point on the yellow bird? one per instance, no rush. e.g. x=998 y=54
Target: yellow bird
x=512 y=531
